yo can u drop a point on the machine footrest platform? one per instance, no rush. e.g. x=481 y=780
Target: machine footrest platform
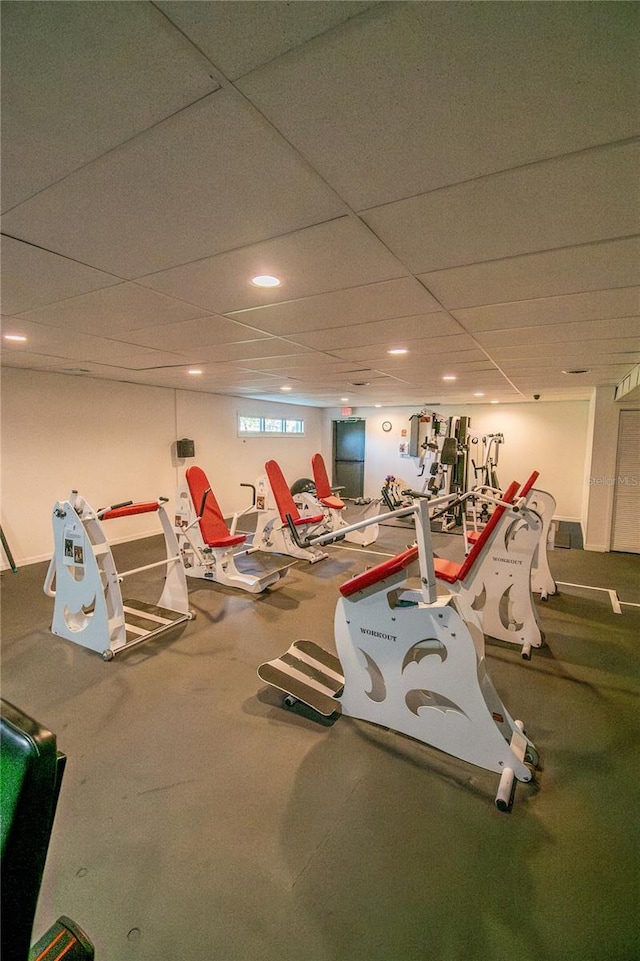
x=307 y=673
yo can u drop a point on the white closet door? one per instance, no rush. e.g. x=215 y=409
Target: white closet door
x=625 y=530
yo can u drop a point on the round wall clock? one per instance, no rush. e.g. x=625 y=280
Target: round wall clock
x=386 y=425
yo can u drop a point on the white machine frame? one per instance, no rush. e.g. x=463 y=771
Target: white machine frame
x=211 y=562
x=85 y=584
x=409 y=660
x=272 y=530
x=544 y=504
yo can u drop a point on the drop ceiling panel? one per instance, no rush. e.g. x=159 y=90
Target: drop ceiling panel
x=61 y=110
x=32 y=277
x=592 y=305
x=127 y=213
x=410 y=97
x=326 y=257
x=614 y=263
x=113 y=310
x=508 y=353
x=247 y=352
x=526 y=210
x=390 y=299
x=81 y=347
x=299 y=364
x=428 y=345
x=573 y=334
x=379 y=332
x=202 y=332
x=221 y=30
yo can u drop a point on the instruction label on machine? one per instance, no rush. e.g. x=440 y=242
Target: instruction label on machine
x=73 y=550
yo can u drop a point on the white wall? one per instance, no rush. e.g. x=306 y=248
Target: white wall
x=114 y=442
x=548 y=437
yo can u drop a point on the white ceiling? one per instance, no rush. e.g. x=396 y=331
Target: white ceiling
x=457 y=179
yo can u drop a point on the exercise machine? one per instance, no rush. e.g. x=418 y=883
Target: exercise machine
x=494 y=579
x=31 y=770
x=408 y=660
x=274 y=502
x=544 y=504
x=207 y=545
x=485 y=473
x=320 y=496
x=83 y=580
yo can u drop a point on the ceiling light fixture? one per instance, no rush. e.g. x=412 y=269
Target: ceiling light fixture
x=449 y=377
x=344 y=399
x=265 y=280
x=286 y=388
x=398 y=350
x=194 y=371
x=495 y=401
x=478 y=393
x=377 y=405
x=16 y=338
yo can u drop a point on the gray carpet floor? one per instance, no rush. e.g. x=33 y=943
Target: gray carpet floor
x=199 y=819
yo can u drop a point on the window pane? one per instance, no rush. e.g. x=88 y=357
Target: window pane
x=294 y=427
x=272 y=425
x=253 y=424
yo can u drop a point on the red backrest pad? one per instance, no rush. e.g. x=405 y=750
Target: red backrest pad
x=284 y=500
x=212 y=524
x=320 y=477
x=469 y=560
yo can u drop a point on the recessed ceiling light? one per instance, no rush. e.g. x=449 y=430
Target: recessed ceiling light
x=286 y=388
x=478 y=393
x=194 y=370
x=15 y=338
x=398 y=350
x=495 y=401
x=449 y=377
x=377 y=405
x=265 y=280
x=344 y=399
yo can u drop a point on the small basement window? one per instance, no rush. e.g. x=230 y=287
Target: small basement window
x=252 y=426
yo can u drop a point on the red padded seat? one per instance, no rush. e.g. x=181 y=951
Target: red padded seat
x=284 y=499
x=378 y=573
x=128 y=509
x=213 y=526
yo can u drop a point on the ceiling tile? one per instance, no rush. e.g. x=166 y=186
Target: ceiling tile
x=81 y=347
x=32 y=277
x=614 y=263
x=426 y=345
x=326 y=257
x=220 y=29
x=113 y=310
x=532 y=208
x=132 y=72
x=561 y=333
x=379 y=332
x=248 y=351
x=154 y=203
x=390 y=299
x=591 y=305
x=201 y=332
x=410 y=97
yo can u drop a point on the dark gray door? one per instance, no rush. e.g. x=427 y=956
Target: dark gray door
x=348 y=457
